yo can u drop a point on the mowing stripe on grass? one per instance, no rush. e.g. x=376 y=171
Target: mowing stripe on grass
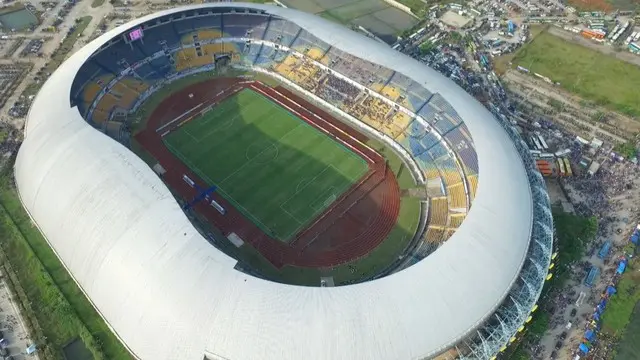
x=259 y=157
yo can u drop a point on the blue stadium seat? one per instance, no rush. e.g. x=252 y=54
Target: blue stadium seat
x=417 y=95
x=145 y=71
x=264 y=58
x=461 y=143
x=183 y=27
x=418 y=139
x=237 y=25
x=428 y=113
x=290 y=32
x=440 y=103
x=162 y=67
x=305 y=39
x=206 y=22
x=400 y=82
x=437 y=151
x=88 y=71
x=283 y=30
x=274 y=29
x=118 y=51
x=151 y=41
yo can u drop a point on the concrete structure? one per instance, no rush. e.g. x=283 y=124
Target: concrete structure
x=168 y=294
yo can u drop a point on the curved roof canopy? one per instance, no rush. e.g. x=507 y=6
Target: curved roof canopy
x=168 y=294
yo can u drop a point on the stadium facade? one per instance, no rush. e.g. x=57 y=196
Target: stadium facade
x=168 y=294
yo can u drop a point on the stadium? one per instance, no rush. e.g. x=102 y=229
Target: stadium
x=241 y=181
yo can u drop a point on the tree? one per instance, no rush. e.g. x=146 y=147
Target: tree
x=426 y=47
x=539 y=325
x=574 y=234
x=520 y=354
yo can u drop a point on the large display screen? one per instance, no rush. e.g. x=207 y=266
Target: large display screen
x=135 y=34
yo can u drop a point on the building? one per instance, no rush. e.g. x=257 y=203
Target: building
x=168 y=294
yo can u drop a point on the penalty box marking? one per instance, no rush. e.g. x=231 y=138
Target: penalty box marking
x=202 y=175
x=217 y=128
x=233 y=90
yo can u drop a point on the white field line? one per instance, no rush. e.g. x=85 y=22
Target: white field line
x=320 y=127
x=260 y=153
x=179 y=117
x=231 y=91
x=203 y=176
x=191 y=136
x=322 y=208
x=214 y=130
x=282 y=205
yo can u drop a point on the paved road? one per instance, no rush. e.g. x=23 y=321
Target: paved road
x=82 y=8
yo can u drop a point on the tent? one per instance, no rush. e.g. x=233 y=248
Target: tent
x=610 y=290
x=583 y=348
x=31 y=349
x=589 y=335
x=604 y=250
x=603 y=303
x=621 y=267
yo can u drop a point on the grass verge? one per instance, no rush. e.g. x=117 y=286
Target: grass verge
x=590 y=74
x=61 y=310
x=619 y=309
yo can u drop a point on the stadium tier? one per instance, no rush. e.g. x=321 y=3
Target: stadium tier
x=116 y=225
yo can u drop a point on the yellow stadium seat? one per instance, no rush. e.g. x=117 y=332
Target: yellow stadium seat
x=438 y=211
x=209 y=34
x=434 y=235
x=473 y=185
x=455 y=220
x=457 y=197
x=451 y=177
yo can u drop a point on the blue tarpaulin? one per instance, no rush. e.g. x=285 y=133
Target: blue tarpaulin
x=604 y=250
x=634 y=237
x=621 y=267
x=591 y=277
x=589 y=335
x=583 y=348
x=610 y=290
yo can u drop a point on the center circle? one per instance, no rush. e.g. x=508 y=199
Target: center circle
x=262 y=153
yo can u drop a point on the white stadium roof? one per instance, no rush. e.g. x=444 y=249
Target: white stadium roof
x=168 y=294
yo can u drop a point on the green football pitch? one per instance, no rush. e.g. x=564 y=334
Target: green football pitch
x=279 y=171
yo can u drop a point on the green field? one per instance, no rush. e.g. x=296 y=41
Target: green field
x=590 y=74
x=629 y=347
x=279 y=171
x=620 y=308
x=367 y=266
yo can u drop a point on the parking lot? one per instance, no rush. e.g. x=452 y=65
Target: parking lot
x=14 y=336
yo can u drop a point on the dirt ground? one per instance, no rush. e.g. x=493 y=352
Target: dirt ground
x=527 y=85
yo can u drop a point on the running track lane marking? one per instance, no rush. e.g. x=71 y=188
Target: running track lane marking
x=179 y=117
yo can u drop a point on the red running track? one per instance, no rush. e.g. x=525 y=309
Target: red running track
x=353 y=226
